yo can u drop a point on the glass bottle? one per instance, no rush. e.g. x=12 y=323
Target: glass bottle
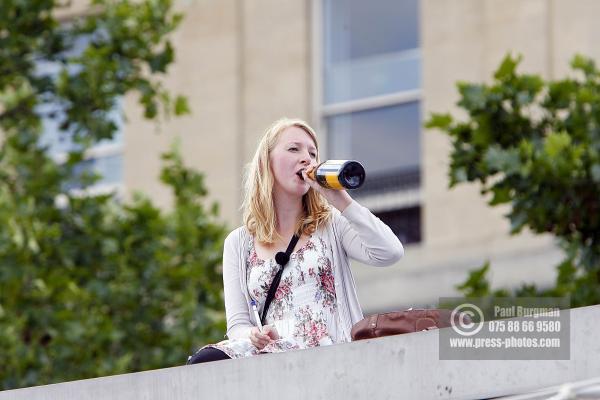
x=339 y=174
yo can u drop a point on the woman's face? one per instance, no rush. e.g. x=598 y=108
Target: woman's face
x=294 y=151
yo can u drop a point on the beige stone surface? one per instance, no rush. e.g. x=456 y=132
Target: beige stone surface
x=72 y=9
x=275 y=65
x=575 y=29
x=242 y=65
x=205 y=72
x=427 y=273
x=465 y=41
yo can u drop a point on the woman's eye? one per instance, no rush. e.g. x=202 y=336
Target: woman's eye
x=293 y=148
x=314 y=155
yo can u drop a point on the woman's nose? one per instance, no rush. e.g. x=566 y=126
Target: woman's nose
x=306 y=158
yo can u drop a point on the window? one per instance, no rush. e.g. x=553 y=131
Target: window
x=384 y=138
x=104 y=158
x=371 y=48
x=369 y=101
x=405 y=222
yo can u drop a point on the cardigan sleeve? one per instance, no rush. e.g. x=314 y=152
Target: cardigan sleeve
x=366 y=238
x=236 y=309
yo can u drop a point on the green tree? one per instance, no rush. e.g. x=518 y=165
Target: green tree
x=90 y=285
x=535 y=145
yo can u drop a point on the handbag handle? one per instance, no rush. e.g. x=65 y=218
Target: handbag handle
x=282 y=259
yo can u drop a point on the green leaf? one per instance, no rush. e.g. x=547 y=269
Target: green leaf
x=440 y=121
x=119 y=278
x=477 y=284
x=518 y=219
x=584 y=64
x=501 y=195
x=505 y=161
x=458 y=175
x=556 y=142
x=507 y=69
x=181 y=106
x=566 y=273
x=473 y=97
x=160 y=61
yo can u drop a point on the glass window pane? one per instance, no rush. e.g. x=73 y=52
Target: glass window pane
x=370 y=48
x=59 y=142
x=383 y=139
x=405 y=223
x=110 y=169
x=356 y=29
x=50 y=109
x=373 y=76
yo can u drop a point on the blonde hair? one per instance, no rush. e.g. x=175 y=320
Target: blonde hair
x=258 y=207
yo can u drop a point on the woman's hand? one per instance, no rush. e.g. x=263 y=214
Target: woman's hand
x=340 y=199
x=260 y=340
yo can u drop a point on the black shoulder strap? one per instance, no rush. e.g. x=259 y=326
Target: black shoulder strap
x=282 y=259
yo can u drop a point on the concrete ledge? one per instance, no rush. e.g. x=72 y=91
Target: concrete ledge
x=404 y=366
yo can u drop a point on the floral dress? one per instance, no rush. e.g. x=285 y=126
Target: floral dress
x=304 y=308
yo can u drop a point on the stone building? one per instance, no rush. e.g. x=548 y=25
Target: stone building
x=365 y=75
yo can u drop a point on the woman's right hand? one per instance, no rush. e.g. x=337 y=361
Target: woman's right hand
x=260 y=340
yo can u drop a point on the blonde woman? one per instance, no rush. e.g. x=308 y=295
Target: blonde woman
x=315 y=303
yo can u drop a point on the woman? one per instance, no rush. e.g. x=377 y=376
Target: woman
x=316 y=302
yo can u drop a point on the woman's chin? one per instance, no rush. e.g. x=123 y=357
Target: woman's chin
x=301 y=190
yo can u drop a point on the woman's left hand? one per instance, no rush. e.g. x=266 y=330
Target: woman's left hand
x=340 y=199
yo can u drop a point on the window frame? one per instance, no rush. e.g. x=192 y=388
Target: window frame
x=97 y=151
x=398 y=199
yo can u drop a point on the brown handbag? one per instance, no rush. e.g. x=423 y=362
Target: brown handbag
x=398 y=322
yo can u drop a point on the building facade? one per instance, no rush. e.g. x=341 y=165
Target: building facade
x=365 y=75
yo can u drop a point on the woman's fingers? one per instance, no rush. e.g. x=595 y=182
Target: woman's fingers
x=340 y=199
x=271 y=332
x=261 y=339
x=258 y=339
x=311 y=183
x=253 y=337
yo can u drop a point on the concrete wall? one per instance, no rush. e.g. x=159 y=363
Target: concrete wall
x=404 y=366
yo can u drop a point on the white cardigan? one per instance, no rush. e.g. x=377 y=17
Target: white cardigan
x=355 y=233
